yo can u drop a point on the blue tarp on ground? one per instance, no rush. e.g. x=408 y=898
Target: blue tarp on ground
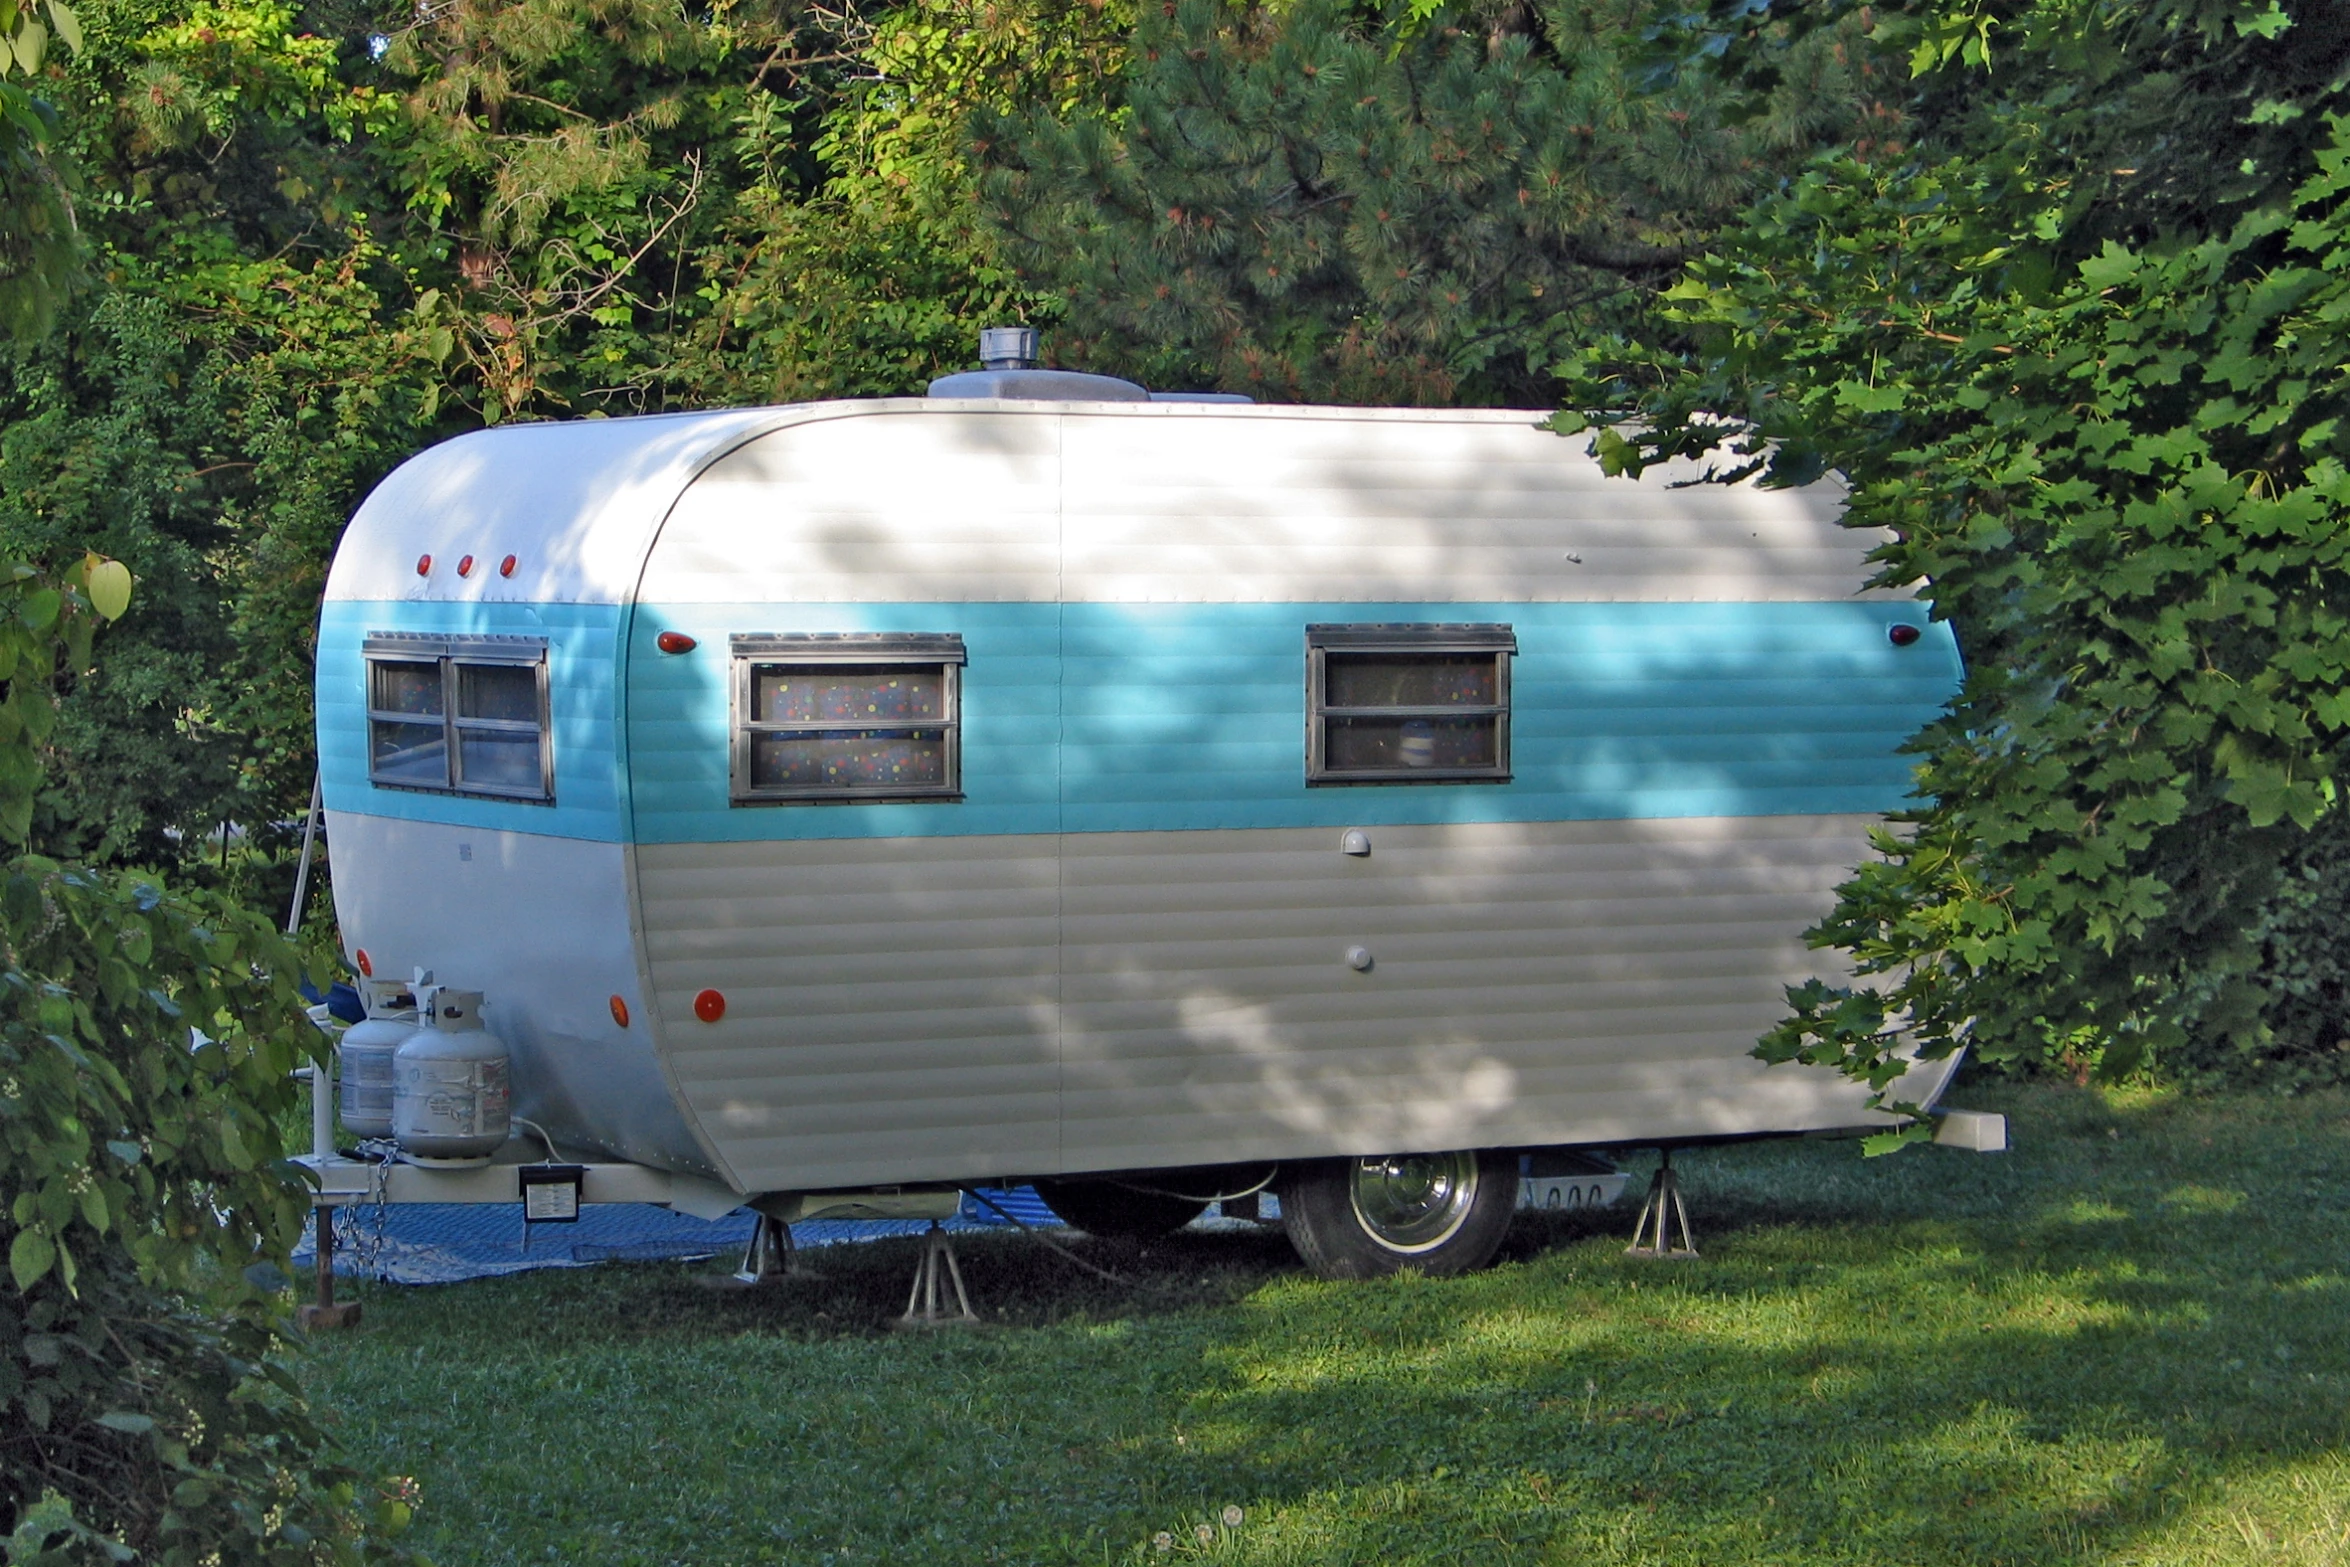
x=443 y=1242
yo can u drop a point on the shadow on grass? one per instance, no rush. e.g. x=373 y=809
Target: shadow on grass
x=2128 y=1340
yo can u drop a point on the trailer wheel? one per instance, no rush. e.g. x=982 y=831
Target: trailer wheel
x=1366 y=1218
x=1117 y=1212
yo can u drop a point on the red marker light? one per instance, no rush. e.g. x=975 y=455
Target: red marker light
x=620 y=1012
x=674 y=642
x=1902 y=634
x=424 y=565
x=465 y=566
x=365 y=968
x=506 y=567
x=709 y=1006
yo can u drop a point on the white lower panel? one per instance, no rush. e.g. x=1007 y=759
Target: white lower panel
x=890 y=1004
x=942 y=1009
x=1578 y=982
x=540 y=926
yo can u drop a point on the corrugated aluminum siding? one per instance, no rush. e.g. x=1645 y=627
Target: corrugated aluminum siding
x=1531 y=983
x=889 y=505
x=1166 y=503
x=1130 y=717
x=680 y=707
x=1125 y=948
x=995 y=998
x=890 y=1004
x=1313 y=505
x=1019 y=1005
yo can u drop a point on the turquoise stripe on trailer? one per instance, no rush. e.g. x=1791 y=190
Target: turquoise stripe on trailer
x=1117 y=718
x=591 y=783
x=1192 y=716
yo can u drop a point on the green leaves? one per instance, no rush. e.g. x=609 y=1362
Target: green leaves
x=29 y=1258
x=1617 y=455
x=145 y=1202
x=2268 y=22
x=109 y=587
x=1878 y=1144
x=40 y=245
x=36 y=622
x=2124 y=477
x=136 y=1171
x=1868 y=399
x=1943 y=36
x=48 y=1534
x=24 y=39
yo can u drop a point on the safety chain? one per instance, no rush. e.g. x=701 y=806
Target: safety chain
x=360 y=1236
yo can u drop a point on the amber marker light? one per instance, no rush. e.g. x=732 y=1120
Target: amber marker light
x=424 y=565
x=1902 y=634
x=366 y=969
x=506 y=567
x=620 y=1012
x=674 y=642
x=709 y=1006
x=465 y=567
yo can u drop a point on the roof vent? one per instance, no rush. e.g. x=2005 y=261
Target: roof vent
x=1009 y=356
x=1007 y=348
x=1009 y=353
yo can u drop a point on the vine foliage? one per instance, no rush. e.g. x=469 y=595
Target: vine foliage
x=2094 y=390
x=147 y=1041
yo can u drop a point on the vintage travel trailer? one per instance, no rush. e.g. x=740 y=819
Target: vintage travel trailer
x=1153 y=798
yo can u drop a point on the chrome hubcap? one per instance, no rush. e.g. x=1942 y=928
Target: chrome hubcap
x=1415 y=1201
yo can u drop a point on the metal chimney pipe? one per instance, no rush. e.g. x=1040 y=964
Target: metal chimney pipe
x=1007 y=348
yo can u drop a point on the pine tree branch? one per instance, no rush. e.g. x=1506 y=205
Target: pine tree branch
x=1622 y=255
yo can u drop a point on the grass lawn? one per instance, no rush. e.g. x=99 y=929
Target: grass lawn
x=2126 y=1341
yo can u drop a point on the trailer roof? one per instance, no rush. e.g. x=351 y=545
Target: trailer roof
x=576 y=504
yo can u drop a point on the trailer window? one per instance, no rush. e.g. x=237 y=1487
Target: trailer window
x=1408 y=704
x=847 y=717
x=467 y=715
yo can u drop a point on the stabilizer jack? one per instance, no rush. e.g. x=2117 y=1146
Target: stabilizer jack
x=1652 y=1237
x=925 y=1303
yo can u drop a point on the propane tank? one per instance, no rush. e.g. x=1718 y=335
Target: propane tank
x=449 y=1097
x=367 y=1048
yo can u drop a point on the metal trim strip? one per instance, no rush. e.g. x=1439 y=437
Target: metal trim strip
x=851 y=647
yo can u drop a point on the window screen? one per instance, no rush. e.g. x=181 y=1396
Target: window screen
x=462 y=714
x=847 y=717
x=1408 y=703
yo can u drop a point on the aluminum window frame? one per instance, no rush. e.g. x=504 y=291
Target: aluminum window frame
x=1406 y=637
x=844 y=649
x=454 y=654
